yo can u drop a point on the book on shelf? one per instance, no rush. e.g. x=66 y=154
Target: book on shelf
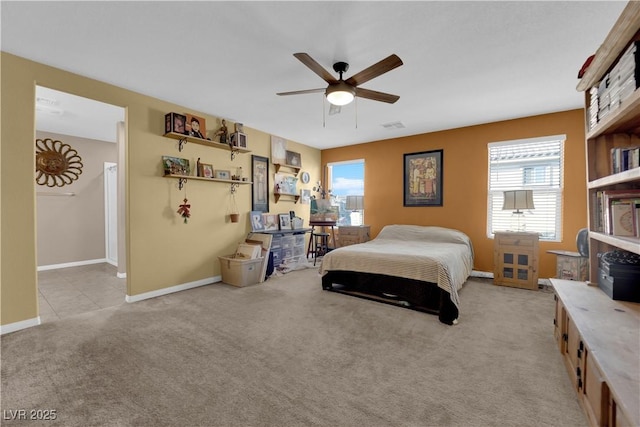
x=622 y=218
x=602 y=207
x=624 y=158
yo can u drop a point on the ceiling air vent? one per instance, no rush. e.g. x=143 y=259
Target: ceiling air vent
x=393 y=125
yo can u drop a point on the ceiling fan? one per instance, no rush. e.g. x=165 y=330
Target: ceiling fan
x=341 y=92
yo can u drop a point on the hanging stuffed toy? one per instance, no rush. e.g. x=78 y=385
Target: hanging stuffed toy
x=184 y=210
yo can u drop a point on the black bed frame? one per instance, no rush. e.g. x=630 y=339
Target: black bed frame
x=409 y=293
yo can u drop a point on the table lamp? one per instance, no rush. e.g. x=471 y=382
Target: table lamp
x=514 y=201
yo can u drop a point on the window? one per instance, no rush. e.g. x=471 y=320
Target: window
x=528 y=164
x=346 y=179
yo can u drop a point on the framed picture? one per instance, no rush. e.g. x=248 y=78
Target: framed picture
x=293 y=159
x=176 y=166
x=322 y=211
x=285 y=184
x=205 y=170
x=220 y=174
x=239 y=139
x=260 y=186
x=174 y=122
x=195 y=126
x=305 y=197
x=278 y=150
x=256 y=221
x=285 y=221
x=270 y=221
x=423 y=178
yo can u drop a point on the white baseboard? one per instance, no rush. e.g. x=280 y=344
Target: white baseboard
x=483 y=274
x=172 y=289
x=489 y=275
x=71 y=264
x=121 y=275
x=24 y=324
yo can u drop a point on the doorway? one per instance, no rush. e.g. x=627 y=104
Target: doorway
x=79 y=248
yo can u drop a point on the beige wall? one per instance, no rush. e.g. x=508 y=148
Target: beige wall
x=71 y=229
x=162 y=251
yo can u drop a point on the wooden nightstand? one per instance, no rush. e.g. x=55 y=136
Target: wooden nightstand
x=352 y=234
x=515 y=259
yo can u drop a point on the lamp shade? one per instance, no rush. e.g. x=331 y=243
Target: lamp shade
x=340 y=93
x=355 y=203
x=518 y=199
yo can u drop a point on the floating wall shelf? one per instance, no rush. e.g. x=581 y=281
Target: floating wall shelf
x=295 y=169
x=182 y=179
x=288 y=197
x=183 y=139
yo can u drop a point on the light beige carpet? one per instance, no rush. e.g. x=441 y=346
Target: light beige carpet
x=287 y=353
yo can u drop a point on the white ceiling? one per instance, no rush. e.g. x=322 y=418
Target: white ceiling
x=465 y=63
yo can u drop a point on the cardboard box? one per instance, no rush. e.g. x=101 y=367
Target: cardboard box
x=248 y=251
x=240 y=271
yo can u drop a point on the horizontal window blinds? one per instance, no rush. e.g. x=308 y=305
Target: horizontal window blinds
x=534 y=164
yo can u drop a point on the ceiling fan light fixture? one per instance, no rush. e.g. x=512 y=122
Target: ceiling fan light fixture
x=340 y=93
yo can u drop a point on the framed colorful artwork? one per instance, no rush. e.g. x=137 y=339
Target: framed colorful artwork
x=423 y=178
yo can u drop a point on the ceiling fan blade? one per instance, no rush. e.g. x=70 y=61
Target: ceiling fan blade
x=315 y=67
x=300 y=92
x=334 y=109
x=387 y=64
x=376 y=96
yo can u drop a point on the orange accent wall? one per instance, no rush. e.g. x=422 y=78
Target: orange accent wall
x=465 y=180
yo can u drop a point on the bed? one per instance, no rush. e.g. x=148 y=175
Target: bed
x=418 y=267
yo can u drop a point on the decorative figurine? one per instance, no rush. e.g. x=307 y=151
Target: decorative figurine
x=184 y=210
x=222 y=132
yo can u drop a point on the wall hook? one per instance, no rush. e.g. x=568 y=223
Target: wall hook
x=181 y=143
x=181 y=183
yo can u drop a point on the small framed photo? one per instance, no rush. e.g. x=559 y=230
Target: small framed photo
x=195 y=126
x=205 y=170
x=294 y=159
x=270 y=222
x=239 y=139
x=305 y=196
x=256 y=221
x=221 y=174
x=278 y=150
x=285 y=221
x=174 y=122
x=176 y=166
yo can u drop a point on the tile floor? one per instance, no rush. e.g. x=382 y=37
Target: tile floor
x=69 y=291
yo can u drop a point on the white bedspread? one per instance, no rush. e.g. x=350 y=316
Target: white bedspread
x=432 y=254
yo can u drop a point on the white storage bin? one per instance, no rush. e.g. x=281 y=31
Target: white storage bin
x=240 y=271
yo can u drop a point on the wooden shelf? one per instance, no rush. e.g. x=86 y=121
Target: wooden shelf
x=608 y=328
x=631 y=244
x=630 y=175
x=205 y=142
x=622 y=120
x=295 y=169
x=182 y=179
x=202 y=178
x=288 y=197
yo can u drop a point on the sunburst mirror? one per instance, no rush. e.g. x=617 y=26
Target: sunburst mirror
x=57 y=164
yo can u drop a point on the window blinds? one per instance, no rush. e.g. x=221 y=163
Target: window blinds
x=529 y=164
